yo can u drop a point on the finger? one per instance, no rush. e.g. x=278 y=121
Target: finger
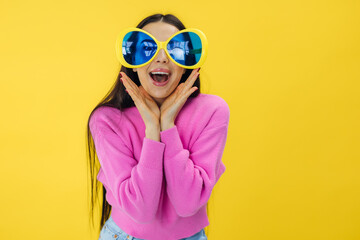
x=130 y=86
x=188 y=93
x=190 y=81
x=125 y=81
x=193 y=73
x=180 y=86
x=148 y=99
x=128 y=83
x=192 y=77
x=131 y=82
x=135 y=96
x=144 y=92
x=178 y=90
x=139 y=103
x=183 y=98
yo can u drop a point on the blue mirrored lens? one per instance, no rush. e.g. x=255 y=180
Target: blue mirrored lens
x=185 y=48
x=138 y=48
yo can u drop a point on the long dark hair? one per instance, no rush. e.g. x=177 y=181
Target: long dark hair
x=118 y=98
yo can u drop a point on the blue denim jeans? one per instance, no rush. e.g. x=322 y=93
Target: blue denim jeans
x=111 y=231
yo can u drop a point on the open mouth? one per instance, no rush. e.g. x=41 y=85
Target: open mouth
x=159 y=77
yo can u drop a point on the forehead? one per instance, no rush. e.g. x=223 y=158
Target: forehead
x=160 y=30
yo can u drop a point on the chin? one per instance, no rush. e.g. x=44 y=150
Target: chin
x=159 y=95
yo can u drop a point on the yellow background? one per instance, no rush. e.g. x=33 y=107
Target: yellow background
x=289 y=71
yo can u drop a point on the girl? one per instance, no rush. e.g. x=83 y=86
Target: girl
x=159 y=140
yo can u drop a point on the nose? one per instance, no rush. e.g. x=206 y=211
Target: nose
x=161 y=57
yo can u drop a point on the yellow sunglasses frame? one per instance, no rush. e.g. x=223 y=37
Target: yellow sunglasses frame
x=161 y=45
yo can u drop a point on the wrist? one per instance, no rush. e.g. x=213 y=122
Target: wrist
x=166 y=125
x=152 y=127
x=153 y=132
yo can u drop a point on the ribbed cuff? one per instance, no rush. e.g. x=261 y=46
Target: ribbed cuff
x=152 y=154
x=172 y=141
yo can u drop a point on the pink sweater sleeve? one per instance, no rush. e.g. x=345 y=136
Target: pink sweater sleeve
x=192 y=174
x=133 y=186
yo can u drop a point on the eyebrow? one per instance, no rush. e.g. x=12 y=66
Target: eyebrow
x=147 y=40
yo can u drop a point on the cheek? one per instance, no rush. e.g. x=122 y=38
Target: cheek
x=142 y=76
x=179 y=75
x=179 y=72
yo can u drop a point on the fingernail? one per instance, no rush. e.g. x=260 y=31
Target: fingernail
x=120 y=74
x=198 y=69
x=121 y=80
x=126 y=90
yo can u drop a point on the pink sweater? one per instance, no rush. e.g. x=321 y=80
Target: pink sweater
x=159 y=189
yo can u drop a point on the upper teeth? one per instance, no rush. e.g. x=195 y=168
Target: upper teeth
x=160 y=73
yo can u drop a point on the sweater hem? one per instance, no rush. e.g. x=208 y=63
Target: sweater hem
x=184 y=228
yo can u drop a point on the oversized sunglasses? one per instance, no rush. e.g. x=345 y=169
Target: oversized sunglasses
x=186 y=48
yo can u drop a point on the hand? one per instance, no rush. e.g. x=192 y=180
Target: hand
x=147 y=107
x=173 y=103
